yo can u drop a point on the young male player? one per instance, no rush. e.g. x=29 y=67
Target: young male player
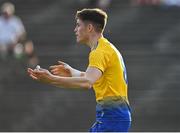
x=106 y=73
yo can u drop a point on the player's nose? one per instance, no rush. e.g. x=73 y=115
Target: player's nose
x=75 y=29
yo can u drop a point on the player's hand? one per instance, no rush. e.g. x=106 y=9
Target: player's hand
x=62 y=69
x=40 y=74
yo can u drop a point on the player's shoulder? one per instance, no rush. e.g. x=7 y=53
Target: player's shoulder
x=102 y=51
x=104 y=48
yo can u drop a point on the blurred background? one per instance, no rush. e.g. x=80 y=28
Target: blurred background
x=147 y=33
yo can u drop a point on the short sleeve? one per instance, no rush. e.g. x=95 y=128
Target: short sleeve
x=98 y=59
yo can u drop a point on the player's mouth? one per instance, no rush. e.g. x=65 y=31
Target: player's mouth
x=77 y=35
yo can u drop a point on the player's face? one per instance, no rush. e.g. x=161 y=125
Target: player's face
x=81 y=32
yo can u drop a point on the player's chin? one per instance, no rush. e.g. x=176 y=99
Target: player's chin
x=78 y=40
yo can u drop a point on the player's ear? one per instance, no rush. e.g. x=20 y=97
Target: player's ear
x=90 y=27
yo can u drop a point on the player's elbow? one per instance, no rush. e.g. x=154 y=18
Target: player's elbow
x=87 y=84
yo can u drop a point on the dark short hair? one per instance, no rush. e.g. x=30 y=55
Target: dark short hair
x=95 y=16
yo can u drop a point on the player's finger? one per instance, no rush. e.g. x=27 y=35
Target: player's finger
x=55 y=73
x=53 y=67
x=42 y=69
x=30 y=71
x=33 y=77
x=33 y=73
x=39 y=71
x=57 y=67
x=61 y=63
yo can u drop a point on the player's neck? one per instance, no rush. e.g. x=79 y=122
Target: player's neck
x=93 y=41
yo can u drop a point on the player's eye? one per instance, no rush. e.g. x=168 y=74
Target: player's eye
x=77 y=24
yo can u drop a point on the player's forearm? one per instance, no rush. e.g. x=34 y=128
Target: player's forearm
x=71 y=82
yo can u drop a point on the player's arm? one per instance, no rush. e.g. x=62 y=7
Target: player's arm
x=63 y=69
x=90 y=76
x=86 y=81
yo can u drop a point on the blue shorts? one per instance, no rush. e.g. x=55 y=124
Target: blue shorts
x=112 y=117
